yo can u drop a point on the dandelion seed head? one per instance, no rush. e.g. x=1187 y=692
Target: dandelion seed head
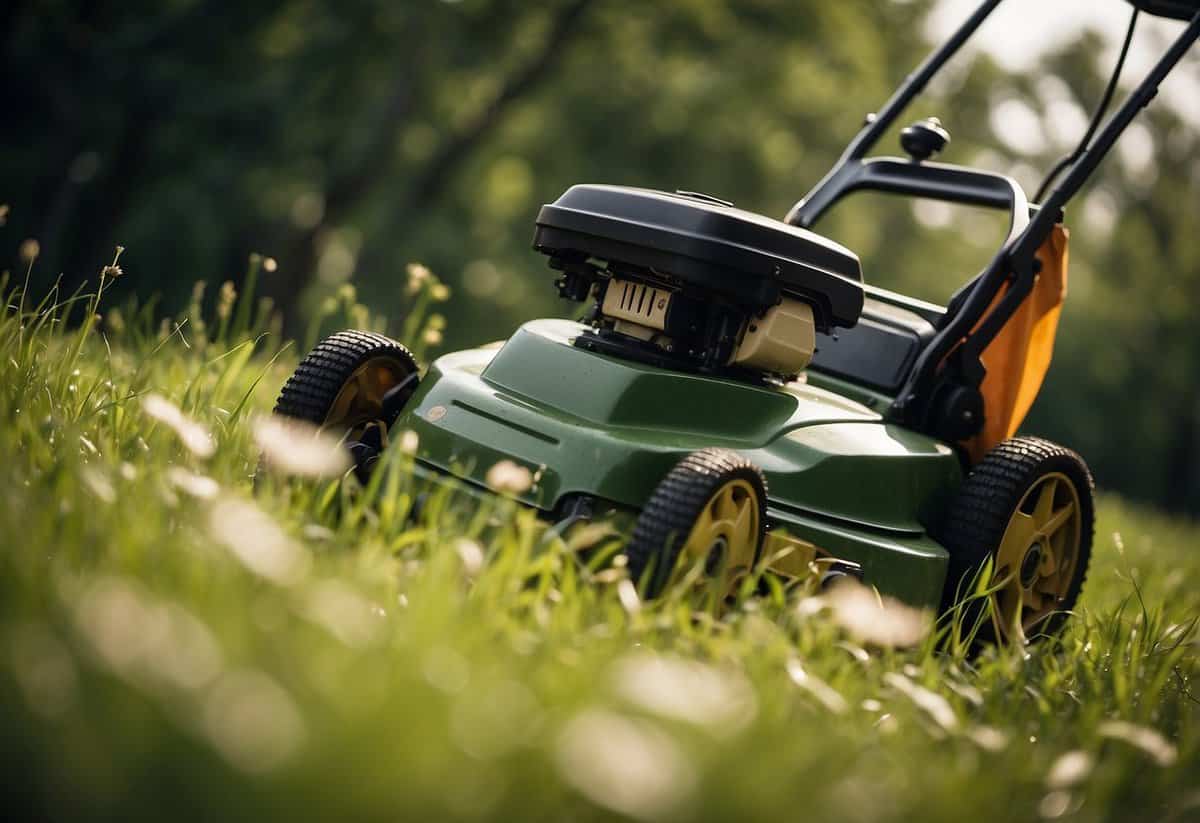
x=270 y=264
x=30 y=249
x=298 y=448
x=432 y=337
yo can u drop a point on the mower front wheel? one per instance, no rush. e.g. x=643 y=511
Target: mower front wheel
x=710 y=507
x=1026 y=512
x=353 y=384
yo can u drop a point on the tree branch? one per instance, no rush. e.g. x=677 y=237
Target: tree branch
x=347 y=192
x=430 y=180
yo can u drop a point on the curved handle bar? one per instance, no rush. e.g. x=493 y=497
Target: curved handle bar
x=935 y=181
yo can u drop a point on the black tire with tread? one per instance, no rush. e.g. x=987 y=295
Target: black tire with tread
x=665 y=522
x=311 y=390
x=976 y=520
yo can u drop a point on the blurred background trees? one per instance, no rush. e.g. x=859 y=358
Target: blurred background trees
x=348 y=139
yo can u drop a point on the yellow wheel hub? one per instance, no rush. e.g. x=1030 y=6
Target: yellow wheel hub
x=360 y=401
x=725 y=535
x=1036 y=561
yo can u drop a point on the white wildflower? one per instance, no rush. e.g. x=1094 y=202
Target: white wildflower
x=144 y=639
x=471 y=555
x=630 y=767
x=343 y=612
x=988 y=738
x=409 y=442
x=626 y=591
x=1054 y=804
x=99 y=485
x=1070 y=768
x=194 y=435
x=825 y=694
x=43 y=668
x=257 y=541
x=932 y=703
x=418 y=276
x=880 y=621
x=298 y=448
x=718 y=699
x=1162 y=751
x=252 y=721
x=197 y=485
x=508 y=477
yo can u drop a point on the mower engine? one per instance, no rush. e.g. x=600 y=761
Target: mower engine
x=687 y=281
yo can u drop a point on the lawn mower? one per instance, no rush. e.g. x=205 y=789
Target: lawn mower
x=739 y=391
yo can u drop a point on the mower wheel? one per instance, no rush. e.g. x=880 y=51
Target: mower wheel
x=712 y=505
x=1027 y=512
x=353 y=384
x=342 y=383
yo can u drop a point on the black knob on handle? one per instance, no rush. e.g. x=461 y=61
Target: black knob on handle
x=924 y=138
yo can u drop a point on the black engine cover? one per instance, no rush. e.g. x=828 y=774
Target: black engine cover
x=744 y=257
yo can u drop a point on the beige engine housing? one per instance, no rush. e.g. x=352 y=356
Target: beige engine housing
x=781 y=342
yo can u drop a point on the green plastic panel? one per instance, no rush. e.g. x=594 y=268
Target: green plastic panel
x=837 y=473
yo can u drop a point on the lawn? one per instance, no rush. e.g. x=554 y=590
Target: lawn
x=177 y=641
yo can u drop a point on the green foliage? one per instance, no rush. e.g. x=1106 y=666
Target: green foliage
x=175 y=642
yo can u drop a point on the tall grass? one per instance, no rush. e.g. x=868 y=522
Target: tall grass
x=176 y=642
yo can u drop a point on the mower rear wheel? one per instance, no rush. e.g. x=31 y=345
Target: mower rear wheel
x=711 y=506
x=1027 y=510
